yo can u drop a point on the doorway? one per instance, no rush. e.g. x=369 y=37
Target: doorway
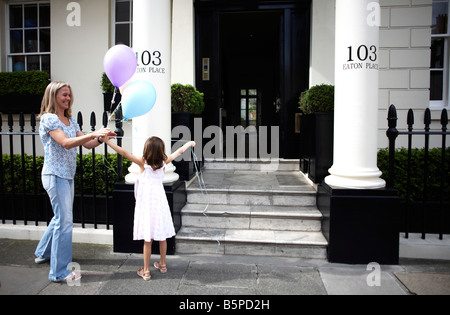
x=250 y=66
x=257 y=64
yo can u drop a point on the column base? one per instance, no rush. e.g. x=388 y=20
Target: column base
x=361 y=226
x=124 y=204
x=355 y=182
x=169 y=176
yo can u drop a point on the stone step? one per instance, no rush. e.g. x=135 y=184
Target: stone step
x=272 y=165
x=251 y=242
x=251 y=196
x=251 y=208
x=283 y=218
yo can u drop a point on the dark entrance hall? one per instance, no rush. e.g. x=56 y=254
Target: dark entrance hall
x=252 y=64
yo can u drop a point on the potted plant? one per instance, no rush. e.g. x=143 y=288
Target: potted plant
x=22 y=92
x=108 y=92
x=316 y=131
x=187 y=105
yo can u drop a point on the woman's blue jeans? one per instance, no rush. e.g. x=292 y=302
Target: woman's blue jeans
x=56 y=244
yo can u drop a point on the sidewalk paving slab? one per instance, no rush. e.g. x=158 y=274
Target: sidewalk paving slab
x=108 y=273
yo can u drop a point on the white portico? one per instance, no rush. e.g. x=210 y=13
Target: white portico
x=356 y=96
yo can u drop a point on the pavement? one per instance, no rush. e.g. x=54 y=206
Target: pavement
x=107 y=273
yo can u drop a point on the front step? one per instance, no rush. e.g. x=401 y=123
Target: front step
x=251 y=213
x=254 y=165
x=251 y=242
x=301 y=219
x=252 y=196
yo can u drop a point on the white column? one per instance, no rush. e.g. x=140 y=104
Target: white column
x=356 y=96
x=152 y=44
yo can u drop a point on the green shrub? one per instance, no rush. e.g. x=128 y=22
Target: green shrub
x=107 y=86
x=319 y=98
x=100 y=162
x=417 y=172
x=185 y=98
x=24 y=83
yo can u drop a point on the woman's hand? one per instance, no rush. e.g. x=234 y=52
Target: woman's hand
x=104 y=132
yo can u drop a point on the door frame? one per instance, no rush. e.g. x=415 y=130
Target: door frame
x=294 y=73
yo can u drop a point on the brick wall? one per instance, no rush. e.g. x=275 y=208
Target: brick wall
x=405 y=40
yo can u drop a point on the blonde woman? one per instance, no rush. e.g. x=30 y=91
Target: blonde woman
x=61 y=135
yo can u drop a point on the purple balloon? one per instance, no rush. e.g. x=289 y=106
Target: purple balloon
x=120 y=64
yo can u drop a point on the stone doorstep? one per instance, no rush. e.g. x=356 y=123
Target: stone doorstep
x=253 y=164
x=219 y=196
x=252 y=242
x=307 y=219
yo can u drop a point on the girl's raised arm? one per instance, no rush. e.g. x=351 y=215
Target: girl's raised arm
x=137 y=160
x=179 y=152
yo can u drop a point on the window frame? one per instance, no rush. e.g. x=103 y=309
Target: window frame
x=38 y=28
x=115 y=23
x=444 y=103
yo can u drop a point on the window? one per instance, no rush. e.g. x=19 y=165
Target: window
x=124 y=22
x=439 y=68
x=28 y=36
x=249 y=107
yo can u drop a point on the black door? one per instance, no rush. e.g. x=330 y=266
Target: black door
x=256 y=60
x=250 y=67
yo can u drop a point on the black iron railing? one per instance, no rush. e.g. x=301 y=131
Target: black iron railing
x=21 y=194
x=436 y=201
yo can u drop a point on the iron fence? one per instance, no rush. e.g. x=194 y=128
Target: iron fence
x=22 y=197
x=430 y=212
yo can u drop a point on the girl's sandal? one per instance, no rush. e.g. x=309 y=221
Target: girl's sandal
x=144 y=274
x=162 y=268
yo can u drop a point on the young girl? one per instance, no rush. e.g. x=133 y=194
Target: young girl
x=152 y=218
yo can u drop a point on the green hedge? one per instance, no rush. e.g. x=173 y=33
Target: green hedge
x=417 y=172
x=100 y=162
x=186 y=98
x=319 y=98
x=24 y=83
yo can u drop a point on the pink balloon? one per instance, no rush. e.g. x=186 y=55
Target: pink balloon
x=124 y=86
x=120 y=64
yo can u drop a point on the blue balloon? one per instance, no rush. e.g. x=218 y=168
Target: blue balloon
x=138 y=99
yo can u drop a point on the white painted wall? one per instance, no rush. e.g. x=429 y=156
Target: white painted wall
x=183 y=42
x=78 y=52
x=322 y=42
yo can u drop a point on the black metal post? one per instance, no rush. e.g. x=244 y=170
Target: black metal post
x=392 y=134
x=106 y=164
x=427 y=122
x=94 y=195
x=444 y=123
x=119 y=131
x=11 y=154
x=81 y=170
x=35 y=184
x=410 y=122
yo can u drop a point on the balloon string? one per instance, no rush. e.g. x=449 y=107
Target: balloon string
x=202 y=185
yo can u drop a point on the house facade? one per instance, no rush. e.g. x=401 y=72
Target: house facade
x=251 y=59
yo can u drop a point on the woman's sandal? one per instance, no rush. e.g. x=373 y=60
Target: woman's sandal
x=144 y=274
x=162 y=268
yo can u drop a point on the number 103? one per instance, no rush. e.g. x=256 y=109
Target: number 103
x=363 y=52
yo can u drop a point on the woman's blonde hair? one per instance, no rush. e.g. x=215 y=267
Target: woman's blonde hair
x=48 y=105
x=154 y=152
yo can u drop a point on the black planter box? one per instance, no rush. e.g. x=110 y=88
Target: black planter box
x=17 y=103
x=316 y=138
x=361 y=226
x=186 y=169
x=124 y=203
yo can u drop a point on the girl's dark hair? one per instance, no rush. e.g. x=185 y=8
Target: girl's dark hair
x=154 y=153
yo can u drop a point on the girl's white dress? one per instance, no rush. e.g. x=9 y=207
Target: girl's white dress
x=152 y=218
